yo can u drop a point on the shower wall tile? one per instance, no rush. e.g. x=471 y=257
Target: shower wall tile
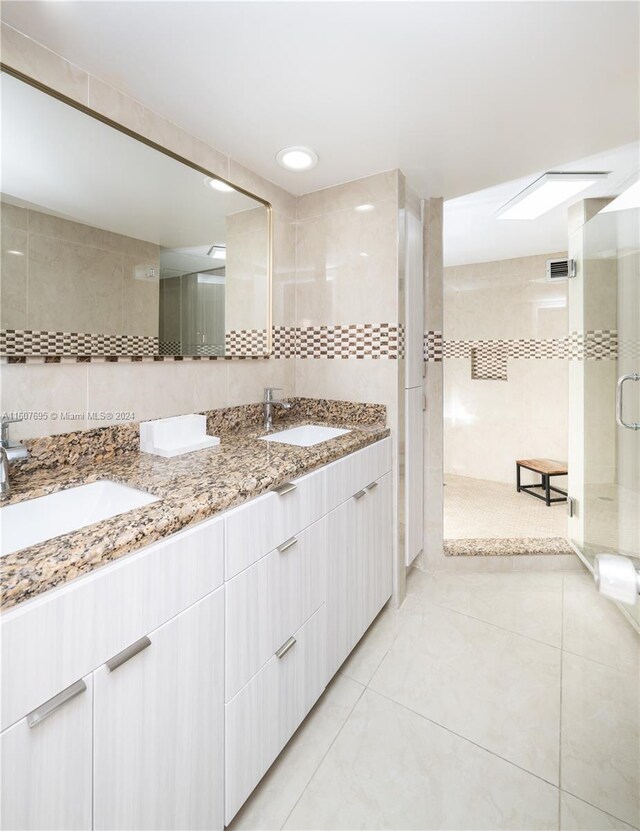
x=370 y=190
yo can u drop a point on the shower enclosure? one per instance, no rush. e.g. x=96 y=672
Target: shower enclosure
x=604 y=309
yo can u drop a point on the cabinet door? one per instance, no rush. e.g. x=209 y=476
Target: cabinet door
x=46 y=765
x=159 y=726
x=346 y=529
x=378 y=558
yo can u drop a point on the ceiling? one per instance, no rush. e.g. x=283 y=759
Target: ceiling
x=473 y=233
x=459 y=95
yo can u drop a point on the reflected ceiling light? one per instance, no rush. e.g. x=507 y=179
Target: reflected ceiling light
x=364 y=209
x=218 y=184
x=628 y=199
x=297 y=158
x=547 y=192
x=15 y=253
x=217 y=252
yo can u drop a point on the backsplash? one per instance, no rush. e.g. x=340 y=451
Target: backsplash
x=86 y=446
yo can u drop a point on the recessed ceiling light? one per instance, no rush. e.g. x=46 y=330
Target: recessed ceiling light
x=218 y=184
x=217 y=252
x=547 y=192
x=297 y=158
x=364 y=209
x=629 y=198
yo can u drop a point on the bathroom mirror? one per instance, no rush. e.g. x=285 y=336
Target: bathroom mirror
x=112 y=246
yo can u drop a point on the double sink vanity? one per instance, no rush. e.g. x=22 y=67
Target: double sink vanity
x=168 y=623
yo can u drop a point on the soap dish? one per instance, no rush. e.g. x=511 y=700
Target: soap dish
x=175 y=436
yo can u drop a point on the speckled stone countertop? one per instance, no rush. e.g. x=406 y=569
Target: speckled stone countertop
x=190 y=488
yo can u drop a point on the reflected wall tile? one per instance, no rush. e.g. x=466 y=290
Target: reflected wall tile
x=29 y=57
x=11 y=216
x=576 y=815
x=148 y=390
x=600 y=736
x=381 y=187
x=13 y=279
x=49 y=396
x=134 y=115
x=278 y=198
x=73 y=288
x=346 y=266
x=140 y=298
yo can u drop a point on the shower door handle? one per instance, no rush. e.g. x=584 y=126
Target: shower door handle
x=630 y=425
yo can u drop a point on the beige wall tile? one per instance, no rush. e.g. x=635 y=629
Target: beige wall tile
x=284 y=270
x=140 y=298
x=155 y=390
x=51 y=390
x=29 y=57
x=380 y=187
x=247 y=379
x=347 y=267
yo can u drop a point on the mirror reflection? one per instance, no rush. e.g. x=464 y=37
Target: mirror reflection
x=110 y=247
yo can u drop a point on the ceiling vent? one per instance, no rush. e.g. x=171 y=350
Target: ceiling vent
x=560 y=269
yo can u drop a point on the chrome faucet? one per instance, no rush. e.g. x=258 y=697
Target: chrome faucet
x=269 y=402
x=10 y=451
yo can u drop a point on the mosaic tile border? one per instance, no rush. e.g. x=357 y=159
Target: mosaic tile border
x=489 y=364
x=357 y=340
x=593 y=345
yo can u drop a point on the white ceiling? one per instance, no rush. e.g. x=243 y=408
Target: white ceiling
x=473 y=233
x=459 y=95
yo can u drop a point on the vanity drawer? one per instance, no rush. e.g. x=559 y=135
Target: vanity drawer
x=263 y=716
x=52 y=641
x=353 y=473
x=264 y=523
x=268 y=601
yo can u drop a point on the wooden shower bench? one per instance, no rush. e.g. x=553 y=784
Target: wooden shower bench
x=546 y=468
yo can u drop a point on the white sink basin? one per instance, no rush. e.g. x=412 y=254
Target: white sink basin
x=36 y=520
x=305 y=436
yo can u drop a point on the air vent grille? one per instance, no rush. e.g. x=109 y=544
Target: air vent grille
x=560 y=269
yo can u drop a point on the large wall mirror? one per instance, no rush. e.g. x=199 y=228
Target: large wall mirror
x=112 y=247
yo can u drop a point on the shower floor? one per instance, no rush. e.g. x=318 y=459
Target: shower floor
x=491 y=518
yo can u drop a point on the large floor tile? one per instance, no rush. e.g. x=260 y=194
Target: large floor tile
x=594 y=628
x=274 y=798
x=530 y=605
x=391 y=769
x=601 y=736
x=376 y=642
x=576 y=815
x=491 y=686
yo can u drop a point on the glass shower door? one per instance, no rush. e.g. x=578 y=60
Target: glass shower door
x=611 y=367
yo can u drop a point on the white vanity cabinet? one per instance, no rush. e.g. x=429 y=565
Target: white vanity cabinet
x=159 y=728
x=46 y=765
x=156 y=691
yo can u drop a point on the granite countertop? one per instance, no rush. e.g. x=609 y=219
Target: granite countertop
x=190 y=488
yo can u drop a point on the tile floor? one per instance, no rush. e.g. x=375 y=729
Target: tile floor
x=475 y=508
x=488 y=701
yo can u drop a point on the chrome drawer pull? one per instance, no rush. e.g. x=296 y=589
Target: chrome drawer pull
x=360 y=494
x=372 y=486
x=128 y=653
x=286 y=646
x=40 y=713
x=286 y=487
x=287 y=544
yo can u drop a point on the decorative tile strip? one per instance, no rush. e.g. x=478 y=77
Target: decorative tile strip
x=597 y=345
x=359 y=340
x=245 y=341
x=432 y=346
x=24 y=342
x=489 y=364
